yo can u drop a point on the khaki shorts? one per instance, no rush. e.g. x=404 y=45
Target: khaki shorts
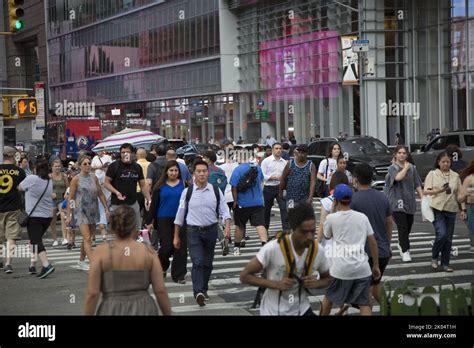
x=9 y=227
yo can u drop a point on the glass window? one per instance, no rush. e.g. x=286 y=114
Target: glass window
x=458 y=8
x=469 y=139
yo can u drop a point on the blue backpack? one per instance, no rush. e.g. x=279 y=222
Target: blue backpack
x=218 y=179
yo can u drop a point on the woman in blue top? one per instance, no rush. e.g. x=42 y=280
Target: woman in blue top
x=164 y=206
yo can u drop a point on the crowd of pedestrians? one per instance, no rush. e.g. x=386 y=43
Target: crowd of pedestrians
x=187 y=209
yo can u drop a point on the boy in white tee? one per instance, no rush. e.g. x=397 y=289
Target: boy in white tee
x=287 y=294
x=350 y=269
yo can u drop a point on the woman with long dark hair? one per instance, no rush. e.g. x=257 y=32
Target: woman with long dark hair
x=328 y=166
x=38 y=202
x=443 y=185
x=164 y=205
x=467 y=195
x=403 y=180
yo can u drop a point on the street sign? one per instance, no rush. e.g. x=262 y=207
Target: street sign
x=261 y=114
x=260 y=102
x=360 y=45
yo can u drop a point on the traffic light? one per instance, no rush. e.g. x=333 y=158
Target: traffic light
x=15 y=12
x=27 y=107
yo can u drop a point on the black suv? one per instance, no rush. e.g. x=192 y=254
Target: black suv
x=425 y=158
x=357 y=149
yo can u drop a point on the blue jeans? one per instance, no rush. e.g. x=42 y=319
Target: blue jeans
x=470 y=221
x=201 y=244
x=444 y=228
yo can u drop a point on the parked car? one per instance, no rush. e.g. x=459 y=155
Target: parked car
x=357 y=149
x=193 y=149
x=426 y=157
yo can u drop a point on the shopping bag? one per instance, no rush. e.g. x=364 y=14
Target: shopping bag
x=426 y=210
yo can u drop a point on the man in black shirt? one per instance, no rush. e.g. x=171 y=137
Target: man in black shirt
x=121 y=179
x=10 y=204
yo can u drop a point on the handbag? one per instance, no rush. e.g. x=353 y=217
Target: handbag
x=426 y=210
x=321 y=188
x=22 y=218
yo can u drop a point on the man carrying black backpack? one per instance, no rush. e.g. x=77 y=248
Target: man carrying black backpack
x=246 y=182
x=199 y=209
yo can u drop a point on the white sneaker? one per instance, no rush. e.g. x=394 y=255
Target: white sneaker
x=237 y=251
x=406 y=257
x=55 y=243
x=64 y=242
x=83 y=265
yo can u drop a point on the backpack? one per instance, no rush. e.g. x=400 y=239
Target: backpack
x=217 y=178
x=284 y=242
x=248 y=179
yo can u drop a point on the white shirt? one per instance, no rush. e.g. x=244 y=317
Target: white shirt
x=98 y=162
x=228 y=168
x=100 y=174
x=349 y=230
x=270 y=141
x=272 y=167
x=324 y=164
x=271 y=257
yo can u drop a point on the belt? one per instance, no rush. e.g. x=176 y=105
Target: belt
x=203 y=228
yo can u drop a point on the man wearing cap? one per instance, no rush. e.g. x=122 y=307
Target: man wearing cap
x=350 y=231
x=10 y=204
x=299 y=178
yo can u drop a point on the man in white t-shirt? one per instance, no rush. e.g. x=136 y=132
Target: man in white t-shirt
x=100 y=161
x=287 y=294
x=350 y=230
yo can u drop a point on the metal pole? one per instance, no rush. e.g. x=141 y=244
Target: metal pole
x=16 y=89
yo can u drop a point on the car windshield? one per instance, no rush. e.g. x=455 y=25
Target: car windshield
x=364 y=147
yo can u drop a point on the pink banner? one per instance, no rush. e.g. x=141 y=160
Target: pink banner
x=301 y=66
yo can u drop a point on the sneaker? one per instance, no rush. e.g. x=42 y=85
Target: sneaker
x=225 y=247
x=180 y=281
x=55 y=243
x=200 y=298
x=206 y=297
x=32 y=270
x=8 y=269
x=247 y=237
x=242 y=243
x=64 y=242
x=406 y=257
x=74 y=246
x=84 y=266
x=454 y=251
x=46 y=271
x=400 y=250
x=69 y=246
x=447 y=269
x=237 y=251
x=434 y=265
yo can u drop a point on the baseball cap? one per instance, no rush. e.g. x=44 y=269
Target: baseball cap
x=342 y=192
x=302 y=148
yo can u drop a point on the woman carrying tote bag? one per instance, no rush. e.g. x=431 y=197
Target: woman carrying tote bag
x=443 y=185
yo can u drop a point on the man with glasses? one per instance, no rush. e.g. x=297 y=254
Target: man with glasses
x=121 y=179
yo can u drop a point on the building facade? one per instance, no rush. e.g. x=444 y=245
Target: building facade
x=198 y=69
x=23 y=63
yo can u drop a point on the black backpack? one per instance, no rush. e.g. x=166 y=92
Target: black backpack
x=248 y=179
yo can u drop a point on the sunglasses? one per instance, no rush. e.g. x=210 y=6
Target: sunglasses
x=86 y=164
